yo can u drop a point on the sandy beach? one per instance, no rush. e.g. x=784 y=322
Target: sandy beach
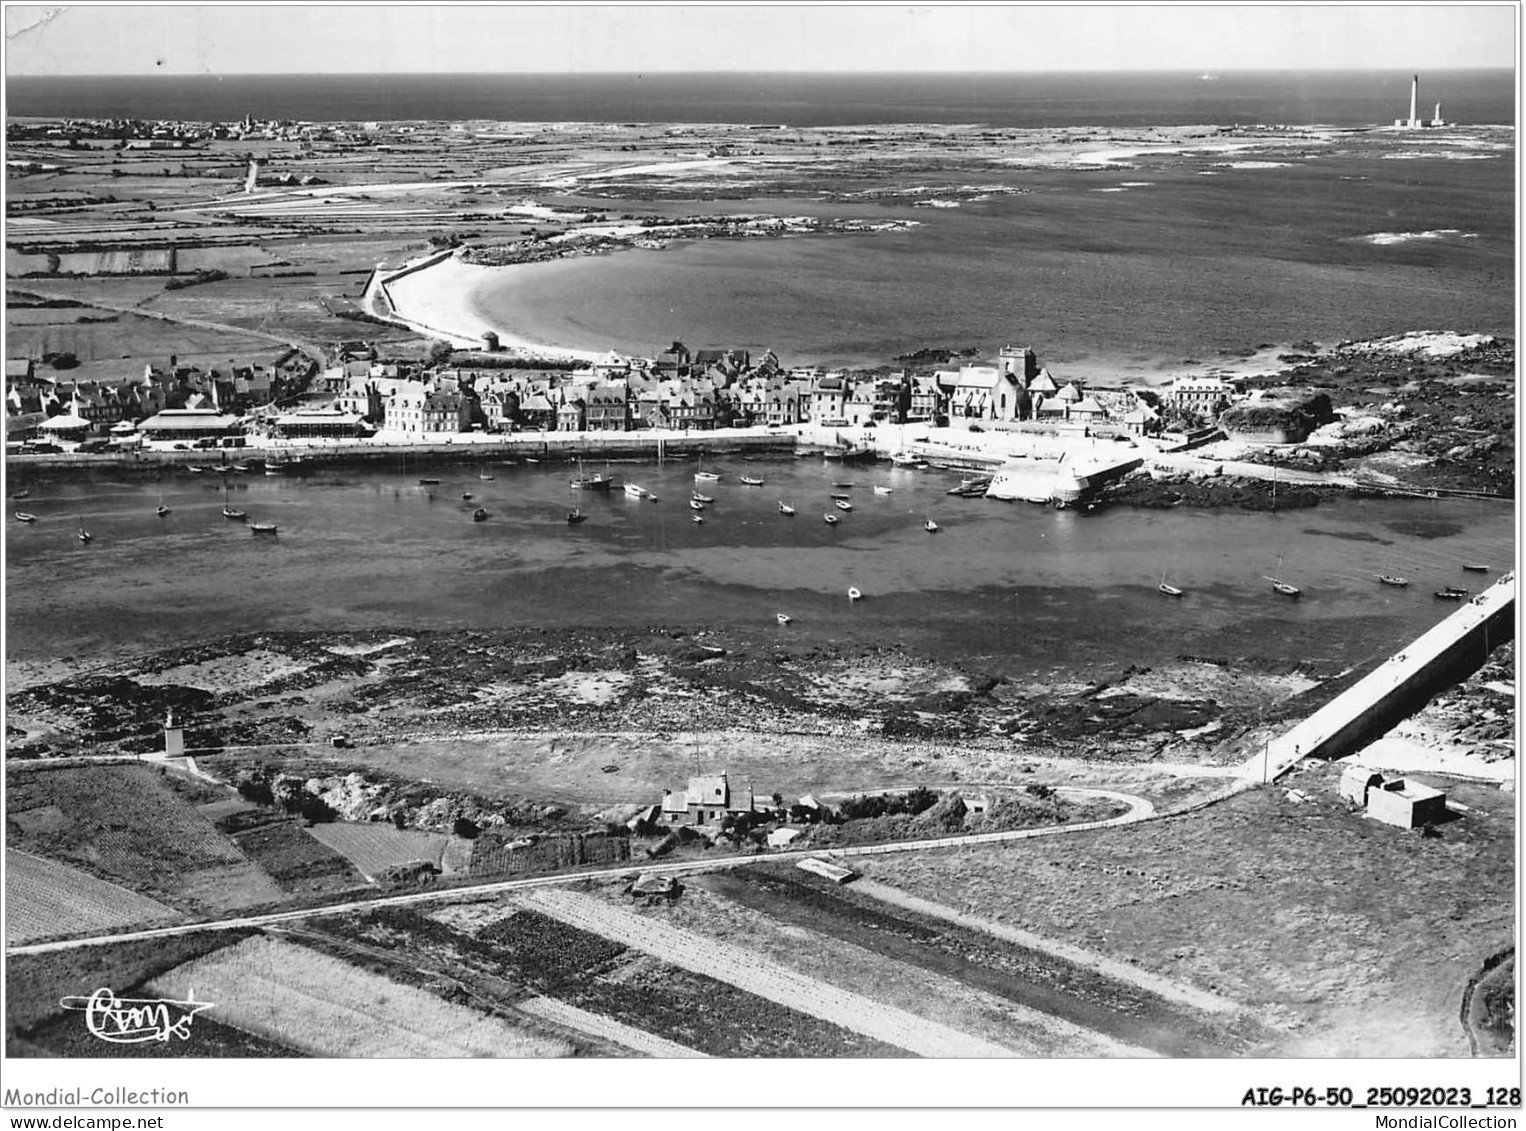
x=440 y=300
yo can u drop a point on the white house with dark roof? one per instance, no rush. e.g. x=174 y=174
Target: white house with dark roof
x=707 y=801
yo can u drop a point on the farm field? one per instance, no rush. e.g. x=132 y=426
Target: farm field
x=326 y=1007
x=759 y=976
x=123 y=823
x=36 y=982
x=1375 y=937
x=374 y=846
x=519 y=958
x=301 y=863
x=46 y=899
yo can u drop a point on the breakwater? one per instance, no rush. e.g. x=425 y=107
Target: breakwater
x=1442 y=657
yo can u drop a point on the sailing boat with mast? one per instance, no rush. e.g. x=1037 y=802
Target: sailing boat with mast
x=1168 y=590
x=585 y=482
x=1280 y=586
x=161 y=510
x=232 y=513
x=84 y=535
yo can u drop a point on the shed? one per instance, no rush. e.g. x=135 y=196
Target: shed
x=781 y=838
x=1394 y=801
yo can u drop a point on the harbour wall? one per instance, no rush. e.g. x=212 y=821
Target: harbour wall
x=1442 y=657
x=550 y=446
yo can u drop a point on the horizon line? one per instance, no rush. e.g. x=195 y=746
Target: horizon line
x=643 y=73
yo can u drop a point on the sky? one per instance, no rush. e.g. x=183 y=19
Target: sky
x=117 y=39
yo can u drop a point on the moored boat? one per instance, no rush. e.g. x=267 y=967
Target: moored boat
x=479 y=515
x=785 y=508
x=25 y=516
x=697 y=519
x=854 y=594
x=637 y=492
x=696 y=505
x=842 y=504
x=575 y=516
x=698 y=498
x=1280 y=586
x=931 y=527
x=830 y=519
x=782 y=618
x=1476 y=568
x=707 y=476
x=750 y=481
x=594 y=482
x=262 y=528
x=1452 y=593
x=84 y=535
x=1168 y=590
x=161 y=510
x=1390 y=579
x=879 y=489
x=428 y=482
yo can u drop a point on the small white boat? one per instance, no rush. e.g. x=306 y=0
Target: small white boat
x=696 y=518
x=1396 y=582
x=842 y=504
x=25 y=516
x=696 y=505
x=930 y=526
x=854 y=594
x=698 y=498
x=1168 y=590
x=785 y=508
x=1283 y=587
x=879 y=490
x=750 y=481
x=235 y=514
x=467 y=496
x=782 y=618
x=262 y=528
x=829 y=519
x=637 y=492
x=707 y=476
x=84 y=535
x=479 y=515
x=161 y=510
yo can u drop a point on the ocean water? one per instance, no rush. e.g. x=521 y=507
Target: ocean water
x=1023 y=100
x=1165 y=266
x=1027 y=589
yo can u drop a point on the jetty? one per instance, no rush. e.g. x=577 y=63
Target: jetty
x=1440 y=658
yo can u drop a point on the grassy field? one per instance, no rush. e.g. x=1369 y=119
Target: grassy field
x=1354 y=938
x=36 y=982
x=124 y=824
x=326 y=1007
x=45 y=899
x=373 y=847
x=301 y=863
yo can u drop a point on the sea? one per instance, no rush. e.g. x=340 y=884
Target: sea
x=1032 y=592
x=1021 y=100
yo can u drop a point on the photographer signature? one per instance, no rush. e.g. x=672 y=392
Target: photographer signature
x=128 y=1021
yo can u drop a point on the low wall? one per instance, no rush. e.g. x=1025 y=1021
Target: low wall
x=1443 y=657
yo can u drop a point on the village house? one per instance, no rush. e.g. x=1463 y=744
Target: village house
x=1202 y=396
x=927 y=400
x=537 y=411
x=608 y=409
x=707 y=801
x=674 y=361
x=829 y=399
x=693 y=409
x=570 y=415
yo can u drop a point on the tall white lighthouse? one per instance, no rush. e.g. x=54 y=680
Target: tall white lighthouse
x=1413 y=122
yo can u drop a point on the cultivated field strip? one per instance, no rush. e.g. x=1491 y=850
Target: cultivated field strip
x=1167 y=988
x=44 y=899
x=917 y=989
x=760 y=976
x=375 y=846
x=607 y=1028
x=327 y=1007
